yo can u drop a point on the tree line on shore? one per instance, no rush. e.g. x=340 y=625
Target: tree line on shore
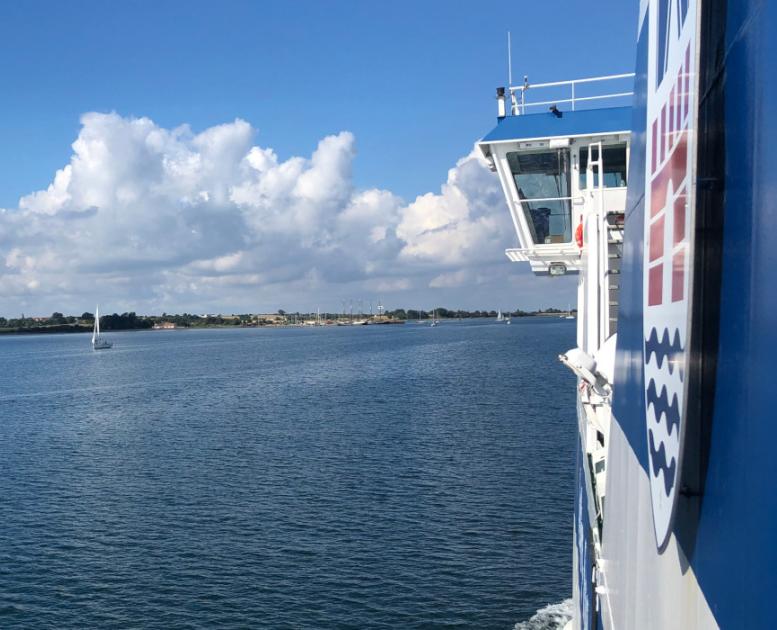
x=73 y=323
x=58 y=322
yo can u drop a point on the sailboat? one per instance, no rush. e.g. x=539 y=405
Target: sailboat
x=98 y=341
x=499 y=316
x=435 y=321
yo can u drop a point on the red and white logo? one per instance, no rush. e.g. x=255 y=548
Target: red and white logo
x=669 y=204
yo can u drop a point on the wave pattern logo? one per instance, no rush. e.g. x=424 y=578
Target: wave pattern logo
x=663 y=350
x=664 y=394
x=664 y=406
x=661 y=465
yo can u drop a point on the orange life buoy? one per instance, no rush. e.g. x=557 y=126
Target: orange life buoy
x=579 y=233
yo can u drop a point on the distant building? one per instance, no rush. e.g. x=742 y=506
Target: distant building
x=275 y=318
x=164 y=326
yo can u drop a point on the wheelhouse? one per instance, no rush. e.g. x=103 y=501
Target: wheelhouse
x=557 y=169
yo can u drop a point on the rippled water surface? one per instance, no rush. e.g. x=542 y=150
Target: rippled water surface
x=370 y=477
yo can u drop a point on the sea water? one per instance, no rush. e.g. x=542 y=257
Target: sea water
x=361 y=477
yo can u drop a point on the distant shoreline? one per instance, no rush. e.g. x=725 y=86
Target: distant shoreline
x=57 y=329
x=67 y=329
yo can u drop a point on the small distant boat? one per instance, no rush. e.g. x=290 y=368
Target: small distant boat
x=435 y=321
x=499 y=316
x=98 y=341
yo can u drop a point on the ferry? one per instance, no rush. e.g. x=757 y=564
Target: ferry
x=662 y=199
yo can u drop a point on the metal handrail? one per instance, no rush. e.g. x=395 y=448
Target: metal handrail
x=549 y=199
x=578 y=99
x=520 y=108
x=609 y=77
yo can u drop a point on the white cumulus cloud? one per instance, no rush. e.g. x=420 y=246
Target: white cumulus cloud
x=150 y=218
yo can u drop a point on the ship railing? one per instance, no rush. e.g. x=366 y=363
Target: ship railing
x=547 y=199
x=519 y=104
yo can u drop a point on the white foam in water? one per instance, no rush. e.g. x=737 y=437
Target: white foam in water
x=552 y=617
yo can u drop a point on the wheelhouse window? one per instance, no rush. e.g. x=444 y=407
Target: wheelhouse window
x=542 y=181
x=614 y=163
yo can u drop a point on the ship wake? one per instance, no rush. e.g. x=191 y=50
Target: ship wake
x=552 y=617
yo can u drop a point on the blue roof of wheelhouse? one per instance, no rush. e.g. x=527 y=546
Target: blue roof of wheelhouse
x=547 y=125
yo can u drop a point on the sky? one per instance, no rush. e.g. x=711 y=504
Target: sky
x=250 y=156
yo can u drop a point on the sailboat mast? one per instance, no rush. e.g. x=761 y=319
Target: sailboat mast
x=96 y=329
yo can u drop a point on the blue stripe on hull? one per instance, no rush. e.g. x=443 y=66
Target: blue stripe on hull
x=735 y=557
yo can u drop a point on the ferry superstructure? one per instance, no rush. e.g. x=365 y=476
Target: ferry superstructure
x=666 y=209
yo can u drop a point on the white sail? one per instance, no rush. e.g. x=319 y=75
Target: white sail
x=98 y=342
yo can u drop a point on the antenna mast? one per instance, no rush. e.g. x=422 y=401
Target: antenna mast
x=509 y=61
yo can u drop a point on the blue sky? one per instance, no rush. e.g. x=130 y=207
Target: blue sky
x=412 y=81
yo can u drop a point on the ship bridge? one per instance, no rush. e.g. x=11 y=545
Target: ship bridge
x=549 y=163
